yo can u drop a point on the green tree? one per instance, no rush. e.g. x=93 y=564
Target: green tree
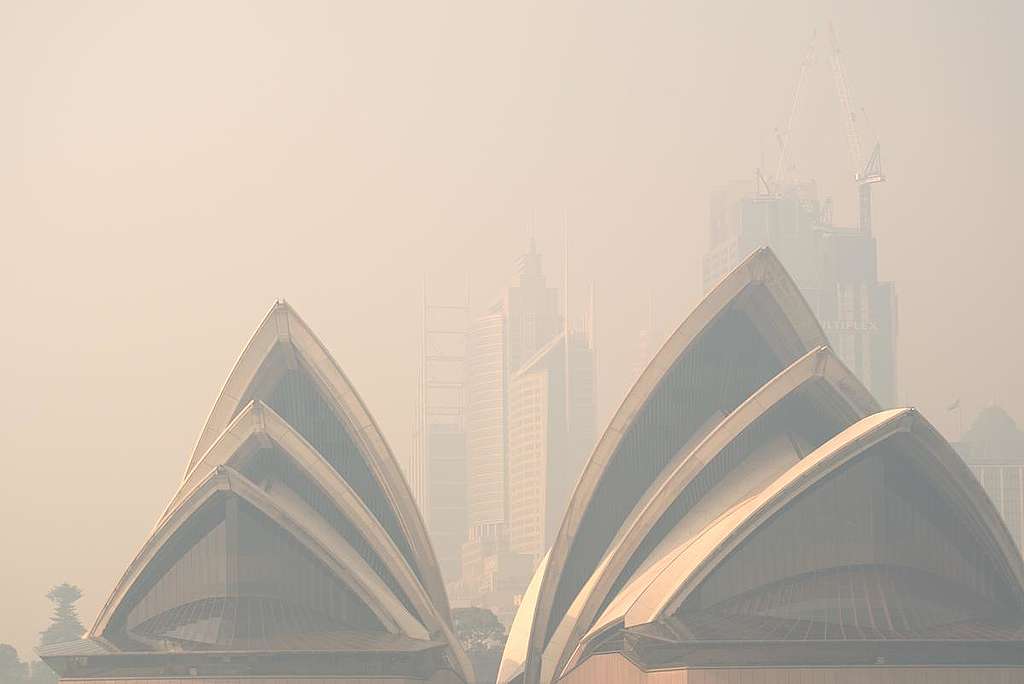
x=12 y=670
x=64 y=625
x=483 y=639
x=478 y=629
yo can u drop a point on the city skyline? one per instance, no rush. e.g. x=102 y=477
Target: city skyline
x=140 y=179
x=529 y=416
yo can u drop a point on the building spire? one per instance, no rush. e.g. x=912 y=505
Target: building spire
x=528 y=265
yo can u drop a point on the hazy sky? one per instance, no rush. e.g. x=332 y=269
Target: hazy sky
x=168 y=169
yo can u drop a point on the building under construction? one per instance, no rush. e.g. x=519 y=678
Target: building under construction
x=835 y=267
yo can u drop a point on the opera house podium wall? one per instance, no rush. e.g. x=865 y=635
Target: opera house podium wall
x=292 y=551
x=751 y=514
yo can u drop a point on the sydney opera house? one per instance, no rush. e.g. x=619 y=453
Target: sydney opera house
x=292 y=551
x=752 y=515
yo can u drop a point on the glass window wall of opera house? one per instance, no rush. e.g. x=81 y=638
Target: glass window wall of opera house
x=291 y=551
x=751 y=514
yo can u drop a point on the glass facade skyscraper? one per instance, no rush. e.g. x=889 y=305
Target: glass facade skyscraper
x=529 y=425
x=551 y=429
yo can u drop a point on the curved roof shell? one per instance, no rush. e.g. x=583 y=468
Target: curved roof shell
x=793 y=413
x=290 y=456
x=750 y=327
x=892 y=434
x=513 y=658
x=293 y=516
x=286 y=366
x=694 y=585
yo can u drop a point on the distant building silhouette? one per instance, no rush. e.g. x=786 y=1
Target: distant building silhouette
x=836 y=269
x=993 y=447
x=520 y=322
x=438 y=469
x=529 y=424
x=487 y=395
x=647 y=342
x=551 y=431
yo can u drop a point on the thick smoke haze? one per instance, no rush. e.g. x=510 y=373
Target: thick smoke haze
x=168 y=169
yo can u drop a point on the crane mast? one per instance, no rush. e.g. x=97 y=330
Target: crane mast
x=784 y=137
x=865 y=173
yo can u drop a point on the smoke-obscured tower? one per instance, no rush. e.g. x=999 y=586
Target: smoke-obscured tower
x=529 y=426
x=438 y=469
x=551 y=430
x=836 y=269
x=994 y=449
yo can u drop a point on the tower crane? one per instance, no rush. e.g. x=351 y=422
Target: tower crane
x=868 y=172
x=785 y=135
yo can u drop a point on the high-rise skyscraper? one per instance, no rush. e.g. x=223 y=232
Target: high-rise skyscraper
x=531 y=310
x=994 y=450
x=438 y=469
x=551 y=430
x=485 y=419
x=529 y=426
x=836 y=269
x=519 y=323
x=648 y=340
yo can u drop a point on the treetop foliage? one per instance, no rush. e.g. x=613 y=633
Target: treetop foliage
x=64 y=624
